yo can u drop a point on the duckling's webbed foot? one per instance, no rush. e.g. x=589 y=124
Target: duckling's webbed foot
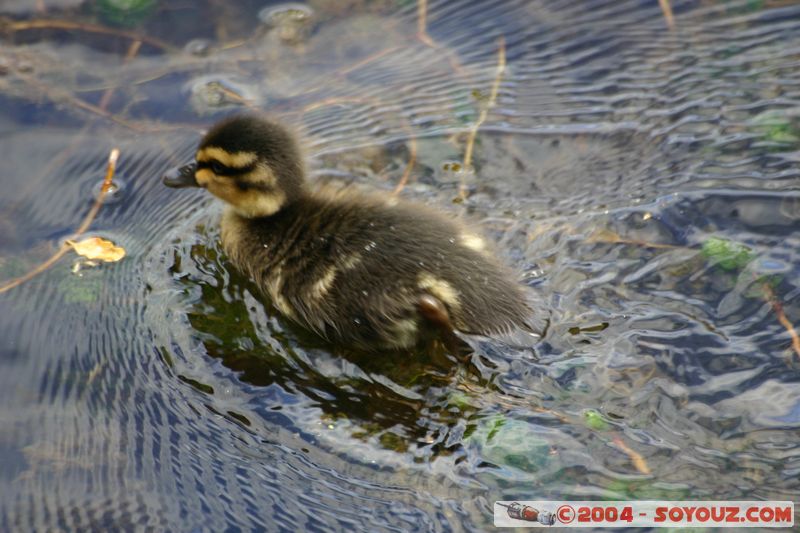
x=435 y=313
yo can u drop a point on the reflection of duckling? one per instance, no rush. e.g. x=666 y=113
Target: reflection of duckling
x=359 y=269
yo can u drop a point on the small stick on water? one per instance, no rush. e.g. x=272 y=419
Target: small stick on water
x=366 y=61
x=65 y=96
x=332 y=101
x=501 y=68
x=133 y=49
x=666 y=8
x=87 y=221
x=777 y=308
x=427 y=40
x=236 y=97
x=638 y=461
x=98 y=203
x=45 y=24
x=412 y=140
x=607 y=236
x=350 y=68
x=412 y=159
x=422 y=23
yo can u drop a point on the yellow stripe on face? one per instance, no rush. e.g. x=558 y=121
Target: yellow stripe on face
x=232 y=160
x=261 y=174
x=259 y=205
x=203 y=176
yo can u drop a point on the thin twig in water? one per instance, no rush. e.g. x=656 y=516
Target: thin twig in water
x=427 y=40
x=42 y=24
x=110 y=168
x=666 y=8
x=236 y=97
x=777 y=308
x=107 y=182
x=412 y=140
x=638 y=461
x=501 y=68
x=422 y=23
x=607 y=236
x=366 y=61
x=66 y=96
x=133 y=49
x=412 y=159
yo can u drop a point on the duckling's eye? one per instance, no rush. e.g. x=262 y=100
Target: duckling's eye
x=217 y=167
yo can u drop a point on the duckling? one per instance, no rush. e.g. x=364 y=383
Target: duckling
x=359 y=269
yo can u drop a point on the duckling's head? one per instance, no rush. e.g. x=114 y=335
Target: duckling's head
x=251 y=163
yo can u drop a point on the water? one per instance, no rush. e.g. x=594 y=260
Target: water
x=643 y=181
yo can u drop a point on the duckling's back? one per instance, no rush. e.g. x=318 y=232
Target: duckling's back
x=354 y=268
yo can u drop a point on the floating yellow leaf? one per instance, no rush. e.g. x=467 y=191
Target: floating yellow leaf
x=97 y=248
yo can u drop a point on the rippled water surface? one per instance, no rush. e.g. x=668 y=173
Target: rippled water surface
x=644 y=181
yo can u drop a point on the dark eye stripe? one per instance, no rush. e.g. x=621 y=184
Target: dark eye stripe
x=221 y=170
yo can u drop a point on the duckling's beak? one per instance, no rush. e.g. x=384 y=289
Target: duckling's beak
x=180 y=177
